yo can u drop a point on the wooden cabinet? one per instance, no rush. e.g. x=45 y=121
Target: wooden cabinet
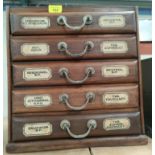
x=74 y=79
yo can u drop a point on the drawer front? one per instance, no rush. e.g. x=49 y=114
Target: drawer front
x=75 y=98
x=52 y=127
x=113 y=20
x=67 y=73
x=73 y=47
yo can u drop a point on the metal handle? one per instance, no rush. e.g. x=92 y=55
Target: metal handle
x=63 y=47
x=64 y=98
x=87 y=20
x=63 y=72
x=65 y=125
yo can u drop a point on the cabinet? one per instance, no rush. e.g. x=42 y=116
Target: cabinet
x=74 y=79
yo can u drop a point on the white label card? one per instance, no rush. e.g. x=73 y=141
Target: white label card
x=37 y=100
x=32 y=74
x=112 y=98
x=35 y=49
x=35 y=22
x=37 y=129
x=115 y=71
x=112 y=47
x=111 y=21
x=116 y=124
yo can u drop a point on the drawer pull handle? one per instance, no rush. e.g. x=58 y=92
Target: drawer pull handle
x=87 y=20
x=63 y=47
x=64 y=98
x=63 y=72
x=65 y=125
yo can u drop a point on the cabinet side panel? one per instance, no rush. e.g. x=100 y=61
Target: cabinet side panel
x=140 y=76
x=9 y=73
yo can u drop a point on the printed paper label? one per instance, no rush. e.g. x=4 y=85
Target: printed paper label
x=112 y=21
x=35 y=22
x=116 y=124
x=113 y=47
x=30 y=74
x=37 y=129
x=111 y=98
x=37 y=100
x=55 y=8
x=34 y=49
x=115 y=71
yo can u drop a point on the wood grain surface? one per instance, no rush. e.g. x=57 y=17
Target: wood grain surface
x=74 y=18
x=77 y=71
x=78 y=125
x=38 y=98
x=76 y=44
x=31 y=75
x=46 y=146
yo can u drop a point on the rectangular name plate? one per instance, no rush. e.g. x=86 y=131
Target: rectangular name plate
x=55 y=8
x=115 y=71
x=116 y=124
x=112 y=98
x=112 y=47
x=43 y=100
x=110 y=21
x=31 y=74
x=35 y=49
x=35 y=22
x=37 y=129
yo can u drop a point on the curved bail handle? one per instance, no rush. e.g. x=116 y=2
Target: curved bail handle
x=87 y=20
x=63 y=47
x=64 y=98
x=65 y=125
x=63 y=72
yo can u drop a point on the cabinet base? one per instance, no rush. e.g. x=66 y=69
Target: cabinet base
x=36 y=146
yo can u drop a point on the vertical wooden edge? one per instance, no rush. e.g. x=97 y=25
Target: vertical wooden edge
x=8 y=72
x=140 y=75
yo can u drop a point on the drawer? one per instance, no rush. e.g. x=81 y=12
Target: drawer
x=73 y=47
x=74 y=20
x=73 y=126
x=75 y=98
x=67 y=73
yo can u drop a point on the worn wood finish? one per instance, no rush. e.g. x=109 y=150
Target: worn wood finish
x=9 y=74
x=76 y=45
x=140 y=77
x=125 y=150
x=35 y=146
x=75 y=18
x=89 y=112
x=131 y=83
x=35 y=99
x=78 y=125
x=76 y=72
